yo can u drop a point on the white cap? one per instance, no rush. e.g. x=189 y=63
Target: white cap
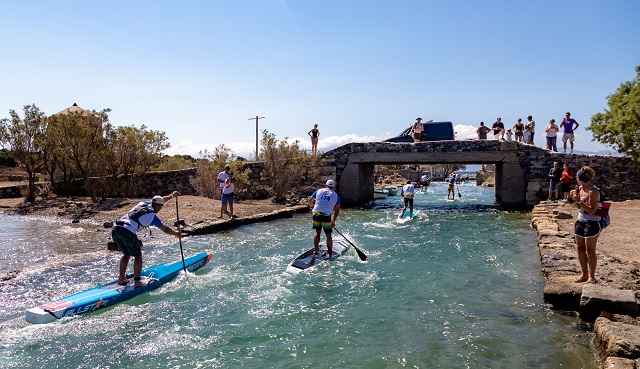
x=330 y=183
x=158 y=200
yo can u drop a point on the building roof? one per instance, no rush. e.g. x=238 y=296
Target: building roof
x=74 y=109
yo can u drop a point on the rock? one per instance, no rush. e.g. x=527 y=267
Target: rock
x=620 y=363
x=596 y=298
x=617 y=339
x=107 y=224
x=75 y=221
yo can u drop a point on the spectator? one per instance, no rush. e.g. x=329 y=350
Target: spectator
x=482 y=131
x=551 y=132
x=416 y=130
x=314 y=133
x=519 y=130
x=554 y=179
x=498 y=129
x=532 y=129
x=565 y=182
x=569 y=126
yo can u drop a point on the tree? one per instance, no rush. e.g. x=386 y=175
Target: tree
x=211 y=164
x=25 y=137
x=286 y=165
x=619 y=126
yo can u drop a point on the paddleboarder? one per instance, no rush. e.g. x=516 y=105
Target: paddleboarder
x=408 y=191
x=325 y=203
x=124 y=234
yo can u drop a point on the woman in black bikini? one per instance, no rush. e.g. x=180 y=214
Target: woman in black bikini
x=314 y=133
x=519 y=129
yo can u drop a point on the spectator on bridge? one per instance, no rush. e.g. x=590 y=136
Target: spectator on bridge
x=416 y=130
x=498 y=129
x=565 y=182
x=518 y=128
x=314 y=133
x=526 y=135
x=551 y=131
x=568 y=125
x=482 y=131
x=532 y=129
x=509 y=135
x=554 y=180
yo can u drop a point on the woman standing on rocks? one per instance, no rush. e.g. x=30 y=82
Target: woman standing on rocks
x=587 y=227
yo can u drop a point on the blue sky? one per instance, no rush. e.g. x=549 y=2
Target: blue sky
x=361 y=70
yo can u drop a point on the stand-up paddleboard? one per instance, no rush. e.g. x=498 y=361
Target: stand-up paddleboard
x=111 y=293
x=308 y=261
x=405 y=216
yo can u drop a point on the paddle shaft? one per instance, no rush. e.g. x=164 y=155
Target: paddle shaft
x=184 y=266
x=361 y=254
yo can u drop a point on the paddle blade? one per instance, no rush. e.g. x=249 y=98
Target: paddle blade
x=361 y=254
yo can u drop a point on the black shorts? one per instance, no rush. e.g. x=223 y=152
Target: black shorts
x=408 y=201
x=587 y=229
x=128 y=242
x=565 y=187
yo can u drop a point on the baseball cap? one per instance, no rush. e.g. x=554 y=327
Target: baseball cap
x=330 y=183
x=158 y=200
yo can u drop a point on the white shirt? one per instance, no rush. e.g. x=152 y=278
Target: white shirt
x=408 y=190
x=326 y=200
x=227 y=190
x=222 y=177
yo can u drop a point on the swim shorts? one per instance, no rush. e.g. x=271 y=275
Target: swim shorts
x=322 y=221
x=408 y=201
x=128 y=243
x=587 y=229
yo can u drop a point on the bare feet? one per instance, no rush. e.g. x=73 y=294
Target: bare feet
x=123 y=282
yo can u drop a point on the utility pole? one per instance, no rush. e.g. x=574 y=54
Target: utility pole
x=256 y=118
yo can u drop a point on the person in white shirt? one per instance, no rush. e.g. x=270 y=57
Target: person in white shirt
x=227 y=196
x=325 y=203
x=408 y=191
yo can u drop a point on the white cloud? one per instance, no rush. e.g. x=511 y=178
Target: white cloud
x=247 y=149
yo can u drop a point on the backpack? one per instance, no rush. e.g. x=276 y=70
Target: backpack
x=603 y=210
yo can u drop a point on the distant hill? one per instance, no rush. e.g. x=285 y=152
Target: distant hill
x=601 y=152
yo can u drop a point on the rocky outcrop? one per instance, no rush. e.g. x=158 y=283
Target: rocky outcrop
x=614 y=310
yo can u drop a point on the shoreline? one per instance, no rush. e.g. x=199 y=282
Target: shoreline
x=611 y=304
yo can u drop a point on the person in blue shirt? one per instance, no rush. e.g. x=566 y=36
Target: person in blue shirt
x=124 y=234
x=325 y=204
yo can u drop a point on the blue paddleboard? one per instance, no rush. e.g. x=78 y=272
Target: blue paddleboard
x=112 y=293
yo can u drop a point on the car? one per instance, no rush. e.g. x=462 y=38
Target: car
x=433 y=131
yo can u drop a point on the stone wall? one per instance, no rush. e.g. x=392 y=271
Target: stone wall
x=615 y=175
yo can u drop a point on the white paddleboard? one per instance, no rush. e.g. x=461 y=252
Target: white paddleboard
x=309 y=261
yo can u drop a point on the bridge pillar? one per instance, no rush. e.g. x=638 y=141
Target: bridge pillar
x=510 y=187
x=355 y=184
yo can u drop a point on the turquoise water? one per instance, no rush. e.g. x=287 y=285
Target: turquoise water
x=459 y=286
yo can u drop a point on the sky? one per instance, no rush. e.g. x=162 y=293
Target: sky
x=362 y=70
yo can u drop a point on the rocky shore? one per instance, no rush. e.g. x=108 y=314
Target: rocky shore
x=611 y=304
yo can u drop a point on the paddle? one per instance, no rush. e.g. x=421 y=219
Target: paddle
x=459 y=195
x=361 y=254
x=184 y=266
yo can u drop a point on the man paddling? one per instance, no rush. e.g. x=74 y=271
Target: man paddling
x=325 y=203
x=408 y=191
x=125 y=231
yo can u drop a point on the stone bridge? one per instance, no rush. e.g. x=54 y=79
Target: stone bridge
x=521 y=170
